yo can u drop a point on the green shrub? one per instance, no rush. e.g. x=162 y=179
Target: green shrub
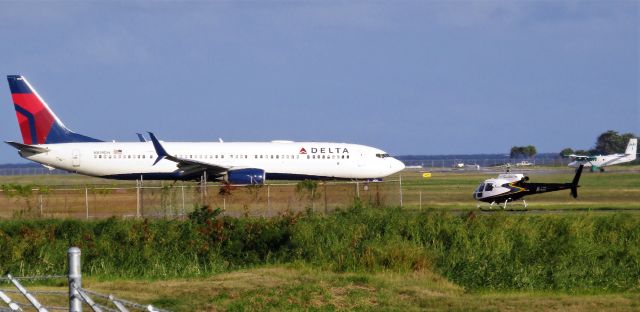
x=507 y=252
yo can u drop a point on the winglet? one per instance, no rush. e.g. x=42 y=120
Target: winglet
x=574 y=183
x=141 y=138
x=162 y=153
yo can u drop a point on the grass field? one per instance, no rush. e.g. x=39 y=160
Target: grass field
x=614 y=189
x=296 y=288
x=356 y=259
x=64 y=196
x=372 y=258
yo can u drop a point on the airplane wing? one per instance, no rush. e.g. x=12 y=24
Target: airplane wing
x=585 y=158
x=186 y=166
x=27 y=148
x=581 y=157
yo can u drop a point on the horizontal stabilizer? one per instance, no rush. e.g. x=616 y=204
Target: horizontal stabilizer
x=27 y=148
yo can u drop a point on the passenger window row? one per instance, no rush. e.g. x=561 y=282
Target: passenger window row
x=140 y=156
x=218 y=156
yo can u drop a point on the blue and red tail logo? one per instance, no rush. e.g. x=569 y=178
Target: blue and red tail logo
x=38 y=123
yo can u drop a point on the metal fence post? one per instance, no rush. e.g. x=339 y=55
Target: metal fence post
x=184 y=212
x=40 y=199
x=141 y=195
x=400 y=190
x=86 y=201
x=137 y=198
x=325 y=197
x=75 y=279
x=268 y=199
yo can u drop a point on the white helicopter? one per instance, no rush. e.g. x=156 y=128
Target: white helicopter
x=513 y=186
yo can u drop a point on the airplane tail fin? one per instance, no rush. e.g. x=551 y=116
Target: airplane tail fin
x=38 y=123
x=632 y=147
x=574 y=183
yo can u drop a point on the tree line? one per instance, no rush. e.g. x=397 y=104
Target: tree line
x=523 y=151
x=609 y=142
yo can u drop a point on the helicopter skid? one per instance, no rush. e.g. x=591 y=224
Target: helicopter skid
x=494 y=206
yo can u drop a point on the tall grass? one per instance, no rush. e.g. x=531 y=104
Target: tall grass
x=543 y=252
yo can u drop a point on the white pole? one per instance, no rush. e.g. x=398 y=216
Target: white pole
x=420 y=200
x=357 y=189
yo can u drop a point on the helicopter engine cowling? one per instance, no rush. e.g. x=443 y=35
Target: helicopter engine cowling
x=246 y=176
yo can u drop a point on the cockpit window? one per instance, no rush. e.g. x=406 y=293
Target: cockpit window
x=480 y=187
x=382 y=155
x=488 y=187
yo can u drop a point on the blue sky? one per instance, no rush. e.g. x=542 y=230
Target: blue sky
x=410 y=77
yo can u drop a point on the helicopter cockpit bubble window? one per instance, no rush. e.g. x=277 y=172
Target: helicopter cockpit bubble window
x=488 y=187
x=480 y=187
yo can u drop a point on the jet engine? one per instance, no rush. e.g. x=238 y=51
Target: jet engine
x=246 y=176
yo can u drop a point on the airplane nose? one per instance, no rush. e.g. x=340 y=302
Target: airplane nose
x=397 y=165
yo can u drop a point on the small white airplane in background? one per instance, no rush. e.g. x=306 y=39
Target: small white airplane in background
x=524 y=163
x=601 y=161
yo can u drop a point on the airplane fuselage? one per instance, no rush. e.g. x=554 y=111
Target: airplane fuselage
x=604 y=161
x=279 y=160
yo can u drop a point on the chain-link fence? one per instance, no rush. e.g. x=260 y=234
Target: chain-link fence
x=20 y=299
x=442 y=163
x=176 y=201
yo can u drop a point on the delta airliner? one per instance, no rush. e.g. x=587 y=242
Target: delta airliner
x=48 y=141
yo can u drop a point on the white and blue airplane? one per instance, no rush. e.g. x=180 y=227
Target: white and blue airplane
x=601 y=161
x=46 y=140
